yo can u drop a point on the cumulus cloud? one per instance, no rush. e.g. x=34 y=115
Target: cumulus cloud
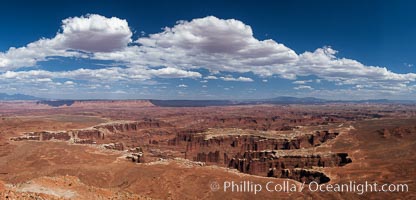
x=323 y=63
x=211 y=77
x=98 y=75
x=216 y=45
x=69 y=83
x=241 y=79
x=343 y=71
x=31 y=54
x=303 y=87
x=301 y=82
x=94 y=33
x=119 y=92
x=44 y=80
x=82 y=37
x=170 y=72
x=90 y=33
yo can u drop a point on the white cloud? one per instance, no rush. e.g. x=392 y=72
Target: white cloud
x=119 y=92
x=44 y=80
x=94 y=33
x=229 y=46
x=323 y=63
x=214 y=44
x=240 y=79
x=112 y=74
x=182 y=86
x=302 y=82
x=211 y=77
x=170 y=72
x=69 y=83
x=90 y=33
x=301 y=87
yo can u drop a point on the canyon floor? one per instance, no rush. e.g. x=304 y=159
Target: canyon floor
x=137 y=150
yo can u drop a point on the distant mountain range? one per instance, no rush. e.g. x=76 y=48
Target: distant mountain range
x=201 y=103
x=312 y=100
x=277 y=100
x=10 y=97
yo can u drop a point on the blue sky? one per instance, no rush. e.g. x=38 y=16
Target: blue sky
x=208 y=50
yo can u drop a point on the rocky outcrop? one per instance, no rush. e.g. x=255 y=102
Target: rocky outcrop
x=269 y=163
x=62 y=135
x=269 y=123
x=89 y=135
x=396 y=132
x=199 y=148
x=258 y=155
x=306 y=175
x=114 y=146
x=125 y=126
x=136 y=155
x=84 y=141
x=43 y=135
x=28 y=136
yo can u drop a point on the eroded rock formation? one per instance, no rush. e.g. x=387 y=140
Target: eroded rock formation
x=114 y=146
x=92 y=134
x=258 y=155
x=270 y=123
x=201 y=148
x=397 y=132
x=262 y=153
x=136 y=155
x=269 y=163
